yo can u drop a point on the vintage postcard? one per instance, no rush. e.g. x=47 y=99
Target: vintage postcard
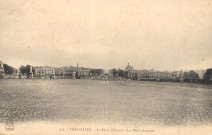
x=106 y=67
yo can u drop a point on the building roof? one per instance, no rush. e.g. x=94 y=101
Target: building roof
x=128 y=67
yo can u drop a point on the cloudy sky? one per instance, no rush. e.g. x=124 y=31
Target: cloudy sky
x=150 y=34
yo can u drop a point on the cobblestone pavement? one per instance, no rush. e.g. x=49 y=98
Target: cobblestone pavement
x=89 y=100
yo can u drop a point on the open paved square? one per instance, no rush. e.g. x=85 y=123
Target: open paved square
x=88 y=100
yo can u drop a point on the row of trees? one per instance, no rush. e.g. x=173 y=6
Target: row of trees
x=11 y=70
x=25 y=69
x=190 y=76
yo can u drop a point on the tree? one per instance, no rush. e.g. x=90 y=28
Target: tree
x=208 y=75
x=125 y=74
x=8 y=69
x=113 y=72
x=117 y=72
x=22 y=69
x=96 y=71
x=25 y=70
x=186 y=76
x=193 y=75
x=120 y=72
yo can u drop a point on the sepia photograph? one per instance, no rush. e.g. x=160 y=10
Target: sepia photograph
x=106 y=67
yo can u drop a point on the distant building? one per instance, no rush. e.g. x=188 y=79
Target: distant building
x=73 y=72
x=129 y=72
x=82 y=72
x=129 y=68
x=200 y=73
x=132 y=74
x=141 y=74
x=1 y=69
x=165 y=75
x=61 y=72
x=152 y=74
x=148 y=75
x=44 y=71
x=67 y=72
x=177 y=76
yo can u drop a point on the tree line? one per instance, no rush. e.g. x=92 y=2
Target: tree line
x=9 y=70
x=190 y=76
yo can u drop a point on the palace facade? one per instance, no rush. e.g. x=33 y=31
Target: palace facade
x=152 y=74
x=62 y=72
x=44 y=71
x=67 y=72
